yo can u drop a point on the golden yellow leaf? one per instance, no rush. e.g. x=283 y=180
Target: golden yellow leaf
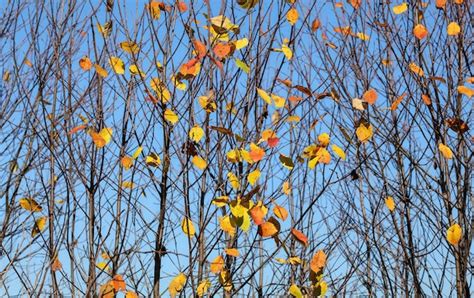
x=338 y=151
x=445 y=151
x=233 y=180
x=177 y=284
x=454 y=234
x=102 y=138
x=101 y=71
x=137 y=152
x=225 y=280
x=292 y=16
x=217 y=265
x=286 y=188
x=135 y=70
x=128 y=184
x=117 y=65
x=39 y=226
x=241 y=43
x=280 y=212
x=159 y=87
x=466 y=91
x=242 y=65
x=188 y=227
x=295 y=291
x=401 y=8
x=199 y=162
x=154 y=9
x=102 y=266
x=220 y=201
x=130 y=47
x=130 y=294
x=264 y=95
x=127 y=162
x=420 y=31
x=362 y=36
x=226 y=225
x=364 y=132
x=253 y=176
x=196 y=133
x=153 y=160
x=106 y=29
x=287 y=51
x=390 y=203
x=30 y=204
x=453 y=29
x=293 y=118
x=324 y=139
x=232 y=252
x=203 y=287
x=171 y=117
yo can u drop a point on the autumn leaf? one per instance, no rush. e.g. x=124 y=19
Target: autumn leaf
x=420 y=31
x=241 y=64
x=287 y=51
x=203 y=287
x=445 y=151
x=390 y=203
x=217 y=265
x=177 y=284
x=253 y=176
x=416 y=69
x=399 y=99
x=127 y=162
x=233 y=180
x=199 y=162
x=453 y=29
x=171 y=117
x=264 y=95
x=257 y=215
x=130 y=47
x=101 y=71
x=318 y=261
x=85 y=63
x=102 y=138
x=292 y=16
x=39 y=226
x=154 y=9
x=188 y=227
x=286 y=162
x=466 y=91
x=454 y=234
x=234 y=252
x=118 y=283
x=364 y=132
x=153 y=160
x=370 y=96
x=401 y=8
x=300 y=237
x=324 y=139
x=256 y=153
x=269 y=228
x=30 y=204
x=315 y=25
x=196 y=133
x=339 y=152
x=280 y=212
x=295 y=291
x=117 y=65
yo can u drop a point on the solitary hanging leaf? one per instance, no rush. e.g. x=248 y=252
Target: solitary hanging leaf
x=370 y=96
x=453 y=29
x=445 y=151
x=188 y=227
x=295 y=291
x=287 y=51
x=440 y=4
x=399 y=99
x=232 y=252
x=264 y=95
x=56 y=264
x=279 y=101
x=401 y=8
x=130 y=47
x=127 y=162
x=339 y=152
x=135 y=70
x=300 y=237
x=292 y=16
x=171 y=117
x=315 y=25
x=416 y=69
x=280 y=212
x=177 y=284
x=196 y=133
x=420 y=31
x=466 y=91
x=101 y=71
x=217 y=264
x=85 y=63
x=117 y=65
x=364 y=132
x=153 y=160
x=102 y=137
x=203 y=287
x=241 y=43
x=118 y=283
x=241 y=64
x=390 y=203
x=318 y=261
x=39 y=226
x=30 y=204
x=199 y=162
x=454 y=234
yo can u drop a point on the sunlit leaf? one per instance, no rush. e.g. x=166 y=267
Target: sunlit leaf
x=269 y=228
x=118 y=283
x=324 y=139
x=199 y=162
x=364 y=132
x=445 y=151
x=401 y=8
x=101 y=71
x=453 y=29
x=203 y=287
x=101 y=138
x=300 y=237
x=127 y=162
x=130 y=47
x=241 y=43
x=188 y=227
x=196 y=133
x=117 y=65
x=177 y=284
x=233 y=180
x=370 y=96
x=264 y=95
x=295 y=291
x=287 y=51
x=128 y=184
x=234 y=252
x=241 y=64
x=39 y=226
x=106 y=29
x=226 y=225
x=466 y=91
x=217 y=264
x=338 y=151
x=318 y=261
x=153 y=160
x=279 y=101
x=390 y=203
x=85 y=63
x=420 y=31
x=171 y=117
x=30 y=204
x=280 y=212
x=253 y=176
x=292 y=16
x=154 y=9
x=454 y=234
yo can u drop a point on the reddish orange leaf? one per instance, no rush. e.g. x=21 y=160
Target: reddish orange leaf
x=76 y=129
x=257 y=215
x=273 y=142
x=182 y=7
x=300 y=237
x=200 y=48
x=318 y=261
x=315 y=25
x=118 y=283
x=420 y=31
x=370 y=96
x=280 y=212
x=269 y=228
x=395 y=104
x=222 y=50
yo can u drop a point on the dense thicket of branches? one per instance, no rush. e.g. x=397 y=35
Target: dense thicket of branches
x=356 y=67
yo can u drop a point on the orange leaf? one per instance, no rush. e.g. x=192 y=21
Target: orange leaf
x=318 y=261
x=85 y=63
x=76 y=129
x=257 y=215
x=217 y=264
x=355 y=3
x=300 y=237
x=315 y=25
x=182 y=7
x=232 y=252
x=118 y=283
x=441 y=4
x=222 y=50
x=426 y=99
x=200 y=48
x=280 y=212
x=395 y=104
x=269 y=228
x=370 y=96
x=420 y=31
x=256 y=153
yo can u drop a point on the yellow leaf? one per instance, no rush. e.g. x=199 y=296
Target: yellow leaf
x=264 y=95
x=416 y=69
x=39 y=226
x=154 y=9
x=217 y=265
x=171 y=117
x=199 y=162
x=233 y=180
x=241 y=64
x=134 y=70
x=279 y=101
x=128 y=184
x=180 y=85
x=253 y=177
x=295 y=291
x=203 y=287
x=106 y=29
x=292 y=16
x=453 y=29
x=445 y=151
x=363 y=36
x=232 y=252
x=30 y=204
x=226 y=225
x=338 y=151
x=401 y=8
x=287 y=51
x=220 y=201
x=466 y=91
x=130 y=47
x=159 y=87
x=293 y=118
x=102 y=137
x=101 y=71
x=225 y=280
x=241 y=43
x=102 y=266
x=137 y=152
x=286 y=188
x=117 y=65
x=280 y=212
x=188 y=227
x=153 y=160
x=324 y=139
x=177 y=285
x=390 y=203
x=364 y=132
x=454 y=234
x=196 y=133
